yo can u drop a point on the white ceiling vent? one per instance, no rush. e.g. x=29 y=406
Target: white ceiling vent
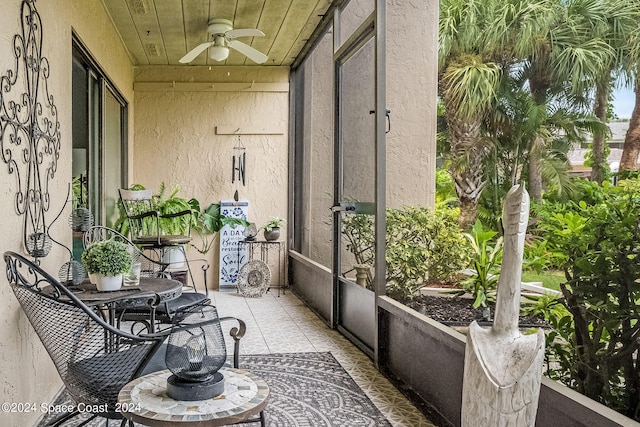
x=138 y=7
x=152 y=49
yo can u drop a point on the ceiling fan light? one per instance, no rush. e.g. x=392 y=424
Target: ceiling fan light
x=218 y=53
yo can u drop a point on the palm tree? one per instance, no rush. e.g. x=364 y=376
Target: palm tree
x=613 y=23
x=631 y=149
x=582 y=51
x=478 y=45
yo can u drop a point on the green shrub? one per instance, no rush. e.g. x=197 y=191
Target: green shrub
x=421 y=244
x=596 y=346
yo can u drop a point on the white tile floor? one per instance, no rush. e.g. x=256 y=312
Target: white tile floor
x=285 y=325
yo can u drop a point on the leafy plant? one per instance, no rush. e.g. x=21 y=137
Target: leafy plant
x=169 y=208
x=445 y=189
x=487 y=257
x=209 y=222
x=596 y=347
x=358 y=232
x=421 y=244
x=547 y=306
x=274 y=222
x=107 y=257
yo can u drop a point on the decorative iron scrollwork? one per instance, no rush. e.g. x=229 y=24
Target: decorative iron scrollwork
x=30 y=130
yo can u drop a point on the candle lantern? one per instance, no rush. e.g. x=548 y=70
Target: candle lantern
x=195 y=352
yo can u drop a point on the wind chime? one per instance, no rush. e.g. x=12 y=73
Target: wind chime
x=238 y=167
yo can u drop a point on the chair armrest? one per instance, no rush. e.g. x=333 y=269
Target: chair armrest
x=236 y=333
x=146 y=214
x=177 y=214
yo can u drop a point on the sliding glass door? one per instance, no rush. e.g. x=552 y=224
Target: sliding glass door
x=99 y=118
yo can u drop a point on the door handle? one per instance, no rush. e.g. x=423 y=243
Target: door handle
x=388 y=115
x=343 y=208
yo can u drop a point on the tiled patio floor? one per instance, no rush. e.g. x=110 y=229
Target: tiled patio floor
x=285 y=325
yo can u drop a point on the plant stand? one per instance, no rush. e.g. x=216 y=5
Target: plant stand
x=265 y=247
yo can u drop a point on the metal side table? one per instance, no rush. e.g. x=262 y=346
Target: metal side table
x=262 y=249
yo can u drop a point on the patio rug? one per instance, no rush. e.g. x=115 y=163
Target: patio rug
x=307 y=389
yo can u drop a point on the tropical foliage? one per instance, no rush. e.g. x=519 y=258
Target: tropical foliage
x=521 y=80
x=595 y=342
x=486 y=260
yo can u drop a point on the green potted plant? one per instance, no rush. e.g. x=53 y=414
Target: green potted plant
x=108 y=260
x=209 y=222
x=272 y=228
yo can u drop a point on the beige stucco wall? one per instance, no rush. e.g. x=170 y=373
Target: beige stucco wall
x=412 y=78
x=27 y=374
x=176 y=138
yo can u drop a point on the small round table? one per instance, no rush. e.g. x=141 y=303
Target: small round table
x=144 y=400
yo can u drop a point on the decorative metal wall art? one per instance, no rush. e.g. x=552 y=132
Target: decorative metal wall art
x=30 y=130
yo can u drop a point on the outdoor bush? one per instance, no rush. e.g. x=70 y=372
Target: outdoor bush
x=421 y=244
x=537 y=256
x=445 y=189
x=594 y=349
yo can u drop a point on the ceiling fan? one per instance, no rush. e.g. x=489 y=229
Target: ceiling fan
x=223 y=36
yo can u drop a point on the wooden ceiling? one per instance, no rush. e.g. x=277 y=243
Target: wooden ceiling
x=160 y=32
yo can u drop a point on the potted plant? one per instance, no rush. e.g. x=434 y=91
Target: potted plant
x=108 y=260
x=209 y=222
x=272 y=228
x=174 y=220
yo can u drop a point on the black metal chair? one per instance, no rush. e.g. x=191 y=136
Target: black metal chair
x=94 y=359
x=148 y=228
x=150 y=267
x=145 y=223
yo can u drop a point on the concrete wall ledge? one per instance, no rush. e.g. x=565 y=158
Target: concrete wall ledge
x=428 y=358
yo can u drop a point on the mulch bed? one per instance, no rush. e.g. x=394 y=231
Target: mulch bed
x=455 y=311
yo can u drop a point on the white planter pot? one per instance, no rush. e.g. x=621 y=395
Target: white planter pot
x=92 y=278
x=108 y=283
x=174 y=257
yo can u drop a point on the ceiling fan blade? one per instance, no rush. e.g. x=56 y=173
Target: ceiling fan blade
x=251 y=53
x=195 y=52
x=244 y=32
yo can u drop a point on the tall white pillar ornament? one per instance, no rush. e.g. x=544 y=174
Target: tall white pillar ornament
x=503 y=367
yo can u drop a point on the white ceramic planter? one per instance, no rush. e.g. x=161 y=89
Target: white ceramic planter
x=92 y=278
x=108 y=283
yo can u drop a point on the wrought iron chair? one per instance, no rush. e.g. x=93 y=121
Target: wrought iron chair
x=80 y=342
x=149 y=267
x=145 y=223
x=148 y=227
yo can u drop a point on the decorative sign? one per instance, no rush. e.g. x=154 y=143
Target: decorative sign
x=232 y=256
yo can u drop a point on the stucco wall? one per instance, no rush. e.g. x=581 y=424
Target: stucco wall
x=27 y=374
x=176 y=140
x=412 y=78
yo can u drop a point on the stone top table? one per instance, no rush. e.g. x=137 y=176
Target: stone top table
x=144 y=400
